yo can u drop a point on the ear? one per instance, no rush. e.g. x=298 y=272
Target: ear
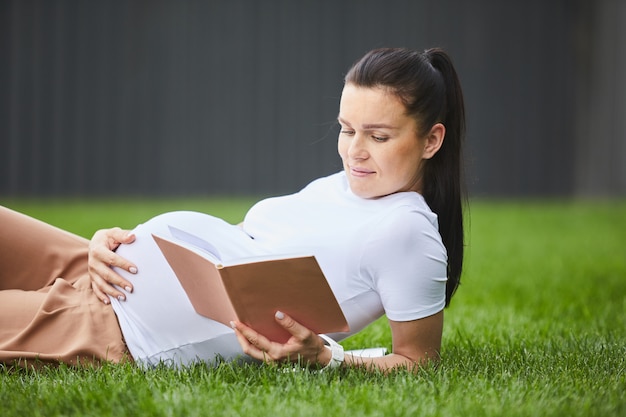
x=434 y=140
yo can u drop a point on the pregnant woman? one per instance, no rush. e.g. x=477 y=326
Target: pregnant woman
x=387 y=231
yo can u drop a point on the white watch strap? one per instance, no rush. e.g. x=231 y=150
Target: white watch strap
x=336 y=350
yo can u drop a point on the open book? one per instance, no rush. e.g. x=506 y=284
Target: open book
x=251 y=290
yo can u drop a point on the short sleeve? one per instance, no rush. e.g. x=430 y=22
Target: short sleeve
x=407 y=263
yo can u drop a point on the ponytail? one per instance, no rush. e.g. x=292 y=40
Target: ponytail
x=443 y=174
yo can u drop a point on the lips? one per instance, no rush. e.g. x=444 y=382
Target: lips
x=360 y=172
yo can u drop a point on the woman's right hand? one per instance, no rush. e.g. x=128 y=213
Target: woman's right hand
x=102 y=258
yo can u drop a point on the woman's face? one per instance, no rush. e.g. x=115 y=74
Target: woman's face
x=378 y=143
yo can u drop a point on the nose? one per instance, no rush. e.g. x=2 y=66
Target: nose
x=358 y=148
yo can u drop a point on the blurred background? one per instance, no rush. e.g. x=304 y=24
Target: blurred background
x=190 y=97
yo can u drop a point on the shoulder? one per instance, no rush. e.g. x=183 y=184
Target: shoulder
x=404 y=239
x=406 y=227
x=405 y=213
x=406 y=261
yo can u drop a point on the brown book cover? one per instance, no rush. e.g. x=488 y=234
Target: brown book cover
x=252 y=290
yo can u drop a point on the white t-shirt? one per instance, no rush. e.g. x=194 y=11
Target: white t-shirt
x=380 y=256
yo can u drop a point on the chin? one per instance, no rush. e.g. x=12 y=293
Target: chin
x=359 y=192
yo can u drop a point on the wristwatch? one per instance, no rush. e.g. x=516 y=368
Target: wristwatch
x=336 y=350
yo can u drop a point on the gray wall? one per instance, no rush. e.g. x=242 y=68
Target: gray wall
x=238 y=97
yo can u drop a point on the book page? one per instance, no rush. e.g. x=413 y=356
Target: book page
x=195 y=241
x=200 y=280
x=214 y=253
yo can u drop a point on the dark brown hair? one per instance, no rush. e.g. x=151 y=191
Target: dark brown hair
x=428 y=86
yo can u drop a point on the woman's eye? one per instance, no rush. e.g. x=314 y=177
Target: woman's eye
x=379 y=138
x=347 y=132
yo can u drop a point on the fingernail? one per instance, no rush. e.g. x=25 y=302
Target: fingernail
x=280 y=315
x=132 y=270
x=128 y=289
x=232 y=324
x=121 y=298
x=106 y=301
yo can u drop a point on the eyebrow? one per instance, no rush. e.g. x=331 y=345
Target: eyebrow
x=370 y=126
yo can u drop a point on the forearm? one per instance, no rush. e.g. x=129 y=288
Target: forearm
x=333 y=356
x=388 y=362
x=415 y=344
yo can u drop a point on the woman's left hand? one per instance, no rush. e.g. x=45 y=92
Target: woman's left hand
x=304 y=346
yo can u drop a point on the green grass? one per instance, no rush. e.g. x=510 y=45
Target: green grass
x=537 y=328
